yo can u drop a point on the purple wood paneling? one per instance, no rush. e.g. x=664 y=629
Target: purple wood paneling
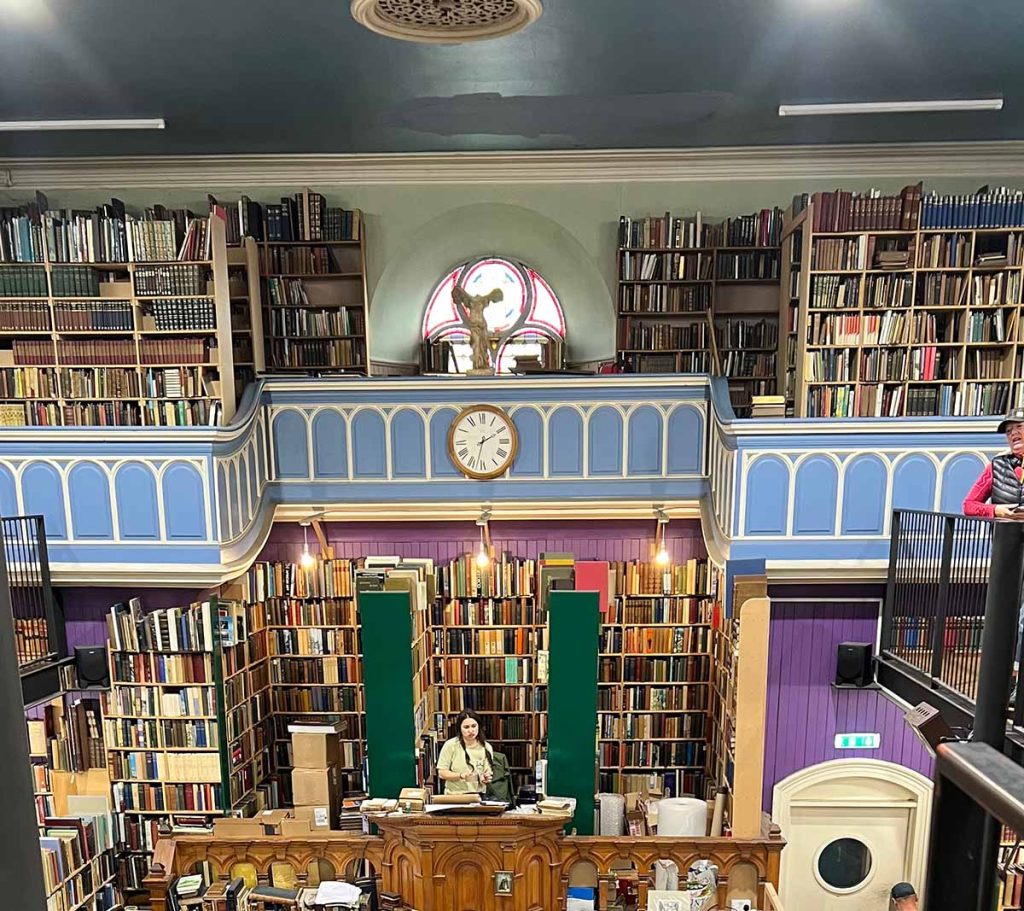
x=86 y=608
x=804 y=712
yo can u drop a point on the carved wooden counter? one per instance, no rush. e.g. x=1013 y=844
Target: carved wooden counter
x=448 y=863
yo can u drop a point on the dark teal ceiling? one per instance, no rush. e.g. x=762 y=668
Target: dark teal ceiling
x=292 y=76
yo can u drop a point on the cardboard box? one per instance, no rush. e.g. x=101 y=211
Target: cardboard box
x=315 y=751
x=318 y=818
x=316 y=787
x=232 y=827
x=295 y=828
x=271 y=820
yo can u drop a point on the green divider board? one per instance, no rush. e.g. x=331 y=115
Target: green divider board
x=574 y=620
x=386 y=622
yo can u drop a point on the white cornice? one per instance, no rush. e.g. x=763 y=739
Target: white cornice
x=754 y=163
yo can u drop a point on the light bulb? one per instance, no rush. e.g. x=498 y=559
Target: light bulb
x=482 y=559
x=307 y=560
x=662 y=557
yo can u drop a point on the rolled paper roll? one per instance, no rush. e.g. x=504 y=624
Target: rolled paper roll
x=682 y=817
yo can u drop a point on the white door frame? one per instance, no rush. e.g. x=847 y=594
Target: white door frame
x=786 y=796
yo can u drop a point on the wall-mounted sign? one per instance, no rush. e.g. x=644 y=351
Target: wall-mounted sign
x=858 y=741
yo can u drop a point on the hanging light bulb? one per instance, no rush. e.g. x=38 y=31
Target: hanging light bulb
x=483 y=559
x=661 y=557
x=307 y=561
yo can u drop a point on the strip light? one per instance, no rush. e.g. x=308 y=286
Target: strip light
x=27 y=126
x=891 y=107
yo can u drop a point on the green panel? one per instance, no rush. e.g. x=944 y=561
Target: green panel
x=386 y=623
x=574 y=620
x=217 y=662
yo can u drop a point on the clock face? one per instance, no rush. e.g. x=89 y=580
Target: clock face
x=482 y=441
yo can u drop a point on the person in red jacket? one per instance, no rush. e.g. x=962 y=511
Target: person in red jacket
x=999 y=493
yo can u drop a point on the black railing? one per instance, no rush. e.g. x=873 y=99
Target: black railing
x=38 y=628
x=935 y=599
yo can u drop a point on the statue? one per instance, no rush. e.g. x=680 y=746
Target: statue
x=471 y=309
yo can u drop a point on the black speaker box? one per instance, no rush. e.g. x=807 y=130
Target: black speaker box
x=853 y=664
x=91 y=668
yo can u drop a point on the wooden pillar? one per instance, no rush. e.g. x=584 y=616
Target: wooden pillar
x=751 y=708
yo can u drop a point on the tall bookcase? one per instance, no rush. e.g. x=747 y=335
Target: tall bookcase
x=695 y=297
x=106 y=319
x=910 y=304
x=247 y=340
x=313 y=263
x=792 y=288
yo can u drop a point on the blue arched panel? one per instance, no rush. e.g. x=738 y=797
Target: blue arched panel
x=43 y=493
x=244 y=495
x=815 y=497
x=261 y=454
x=234 y=497
x=767 y=497
x=224 y=502
x=440 y=464
x=138 y=515
x=330 y=445
x=685 y=441
x=368 y=449
x=604 y=442
x=184 y=510
x=530 y=458
x=408 y=446
x=958 y=475
x=864 y=489
x=8 y=492
x=565 y=443
x=89 y=493
x=644 y=434
x=291 y=459
x=913 y=483
x=254 y=480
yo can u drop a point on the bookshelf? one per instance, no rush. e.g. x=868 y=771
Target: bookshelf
x=78 y=862
x=722 y=762
x=247 y=351
x=313 y=267
x=793 y=286
x=696 y=297
x=1010 y=890
x=108 y=319
x=655 y=676
x=909 y=304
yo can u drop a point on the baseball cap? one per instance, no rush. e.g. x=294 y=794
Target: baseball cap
x=1013 y=417
x=902 y=890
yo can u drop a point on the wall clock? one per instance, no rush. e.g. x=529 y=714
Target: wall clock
x=482 y=442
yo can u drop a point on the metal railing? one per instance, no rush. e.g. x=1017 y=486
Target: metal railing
x=935 y=598
x=38 y=630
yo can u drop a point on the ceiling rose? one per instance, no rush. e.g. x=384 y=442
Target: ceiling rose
x=445 y=21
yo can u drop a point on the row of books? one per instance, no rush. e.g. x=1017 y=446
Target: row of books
x=672 y=609
x=491 y=699
x=179 y=280
x=156 y=765
x=313 y=323
x=634 y=577
x=324 y=579
x=308 y=699
x=843 y=210
x=661 y=726
x=760 y=229
x=987 y=208
x=665 y=670
x=337 y=353
x=329 y=612
x=834 y=292
x=664 y=298
x=650 y=755
x=758 y=266
x=113 y=352
x=505 y=576
x=152 y=702
x=175 y=629
x=181 y=314
x=686 y=362
x=667 y=267
x=313 y=641
x=23 y=281
x=484 y=670
x=888 y=401
x=517 y=641
x=671 y=783
x=486 y=612
x=304 y=216
x=310 y=260
x=160 y=668
x=330 y=669
x=748 y=365
x=640 y=640
x=663 y=336
x=682 y=698
x=100 y=315
x=24 y=316
x=182 y=733
x=740 y=333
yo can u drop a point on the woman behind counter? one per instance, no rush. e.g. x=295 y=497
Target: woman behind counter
x=466 y=762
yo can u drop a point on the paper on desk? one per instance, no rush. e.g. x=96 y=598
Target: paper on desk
x=333 y=892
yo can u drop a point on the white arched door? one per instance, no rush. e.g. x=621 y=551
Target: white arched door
x=853 y=828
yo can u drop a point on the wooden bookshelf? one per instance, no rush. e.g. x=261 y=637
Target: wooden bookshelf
x=145 y=340
x=313 y=268
x=934 y=330
x=695 y=297
x=796 y=251
x=247 y=337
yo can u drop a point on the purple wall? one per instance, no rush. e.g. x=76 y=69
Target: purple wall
x=805 y=712
x=443 y=541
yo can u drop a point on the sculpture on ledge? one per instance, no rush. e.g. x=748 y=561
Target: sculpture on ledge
x=471 y=308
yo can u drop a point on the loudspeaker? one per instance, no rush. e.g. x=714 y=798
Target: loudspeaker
x=91 y=668
x=853 y=664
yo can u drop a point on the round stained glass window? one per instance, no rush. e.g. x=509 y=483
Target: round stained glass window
x=844 y=865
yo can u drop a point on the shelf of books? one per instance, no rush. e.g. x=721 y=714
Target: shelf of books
x=313 y=263
x=682 y=280
x=722 y=762
x=1011 y=872
x=247 y=352
x=312 y=631
x=486 y=635
x=911 y=305
x=79 y=870
x=655 y=675
x=795 y=253
x=111 y=319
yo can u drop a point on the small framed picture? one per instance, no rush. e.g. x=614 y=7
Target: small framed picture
x=502 y=883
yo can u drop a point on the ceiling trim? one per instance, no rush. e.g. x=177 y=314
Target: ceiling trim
x=752 y=164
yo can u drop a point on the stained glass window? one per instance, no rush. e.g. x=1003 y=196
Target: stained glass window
x=526 y=320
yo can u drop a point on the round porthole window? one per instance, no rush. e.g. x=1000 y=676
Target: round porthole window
x=843 y=865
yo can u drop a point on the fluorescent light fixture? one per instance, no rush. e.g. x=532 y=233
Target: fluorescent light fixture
x=27 y=126
x=891 y=107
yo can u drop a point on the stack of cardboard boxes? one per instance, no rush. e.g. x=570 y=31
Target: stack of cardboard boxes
x=316 y=775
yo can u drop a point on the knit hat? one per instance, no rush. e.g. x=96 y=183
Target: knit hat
x=1014 y=417
x=904 y=890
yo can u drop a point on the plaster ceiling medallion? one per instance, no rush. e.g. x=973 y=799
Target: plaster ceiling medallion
x=445 y=21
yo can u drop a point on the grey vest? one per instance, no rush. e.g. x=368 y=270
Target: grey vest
x=1006 y=489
